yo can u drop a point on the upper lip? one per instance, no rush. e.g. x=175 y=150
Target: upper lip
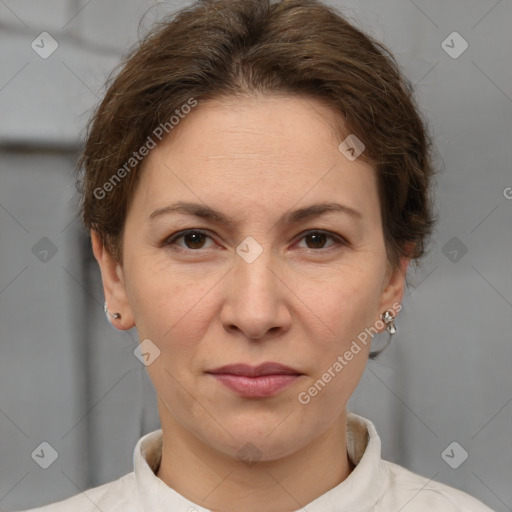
x=255 y=371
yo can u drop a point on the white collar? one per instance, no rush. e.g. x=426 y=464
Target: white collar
x=360 y=491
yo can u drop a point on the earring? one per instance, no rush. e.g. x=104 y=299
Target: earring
x=389 y=320
x=115 y=316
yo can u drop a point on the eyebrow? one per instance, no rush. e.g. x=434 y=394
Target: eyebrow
x=291 y=217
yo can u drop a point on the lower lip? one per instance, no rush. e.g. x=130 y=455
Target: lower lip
x=256 y=387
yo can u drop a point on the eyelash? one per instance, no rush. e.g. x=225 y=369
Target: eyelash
x=171 y=240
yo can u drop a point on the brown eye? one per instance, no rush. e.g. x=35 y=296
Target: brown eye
x=193 y=239
x=318 y=239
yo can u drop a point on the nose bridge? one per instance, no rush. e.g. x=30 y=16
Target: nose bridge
x=252 y=272
x=253 y=299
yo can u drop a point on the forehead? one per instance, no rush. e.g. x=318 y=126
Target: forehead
x=250 y=152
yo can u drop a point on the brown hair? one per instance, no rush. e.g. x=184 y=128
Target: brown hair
x=223 y=48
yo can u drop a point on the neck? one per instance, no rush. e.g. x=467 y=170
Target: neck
x=224 y=484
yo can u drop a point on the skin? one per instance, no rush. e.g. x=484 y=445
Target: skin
x=302 y=302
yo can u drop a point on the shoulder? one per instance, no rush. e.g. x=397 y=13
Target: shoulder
x=416 y=493
x=119 y=495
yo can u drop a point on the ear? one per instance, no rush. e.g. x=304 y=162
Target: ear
x=113 y=284
x=394 y=284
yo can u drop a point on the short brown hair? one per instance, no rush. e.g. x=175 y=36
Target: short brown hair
x=226 y=48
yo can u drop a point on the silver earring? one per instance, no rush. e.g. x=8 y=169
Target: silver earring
x=115 y=316
x=389 y=320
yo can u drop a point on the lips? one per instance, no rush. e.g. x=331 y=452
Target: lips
x=262 y=381
x=246 y=370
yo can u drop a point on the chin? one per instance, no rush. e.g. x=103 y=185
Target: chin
x=254 y=438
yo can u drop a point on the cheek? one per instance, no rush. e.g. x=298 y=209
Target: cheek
x=340 y=353
x=345 y=303
x=165 y=300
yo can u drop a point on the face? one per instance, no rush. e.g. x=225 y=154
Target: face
x=268 y=286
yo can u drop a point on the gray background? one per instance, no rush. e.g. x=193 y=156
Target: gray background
x=69 y=379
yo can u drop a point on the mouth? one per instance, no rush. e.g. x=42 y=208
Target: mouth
x=245 y=370
x=261 y=381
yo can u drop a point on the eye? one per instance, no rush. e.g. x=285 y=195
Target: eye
x=193 y=238
x=319 y=238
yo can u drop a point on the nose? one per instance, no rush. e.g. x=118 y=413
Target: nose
x=256 y=299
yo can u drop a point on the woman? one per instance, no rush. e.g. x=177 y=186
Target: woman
x=256 y=182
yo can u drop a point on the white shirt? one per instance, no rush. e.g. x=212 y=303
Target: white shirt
x=375 y=485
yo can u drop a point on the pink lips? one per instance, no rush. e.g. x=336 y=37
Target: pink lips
x=261 y=381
